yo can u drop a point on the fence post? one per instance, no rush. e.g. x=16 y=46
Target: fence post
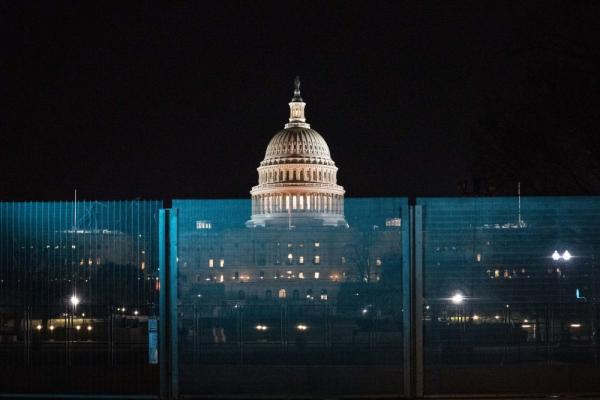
x=418 y=251
x=168 y=335
x=407 y=301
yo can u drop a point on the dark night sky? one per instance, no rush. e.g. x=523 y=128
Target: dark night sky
x=180 y=100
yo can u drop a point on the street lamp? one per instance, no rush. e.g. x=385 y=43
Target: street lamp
x=566 y=256
x=75 y=301
x=458 y=298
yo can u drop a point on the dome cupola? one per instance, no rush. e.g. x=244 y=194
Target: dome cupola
x=297 y=180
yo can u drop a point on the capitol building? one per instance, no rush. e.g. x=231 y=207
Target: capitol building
x=297 y=239
x=297 y=178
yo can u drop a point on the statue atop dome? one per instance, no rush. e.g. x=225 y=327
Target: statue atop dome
x=297 y=97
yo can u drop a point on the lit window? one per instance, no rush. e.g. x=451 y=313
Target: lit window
x=301 y=275
x=324 y=294
x=262 y=274
x=203 y=225
x=290 y=258
x=211 y=263
x=317 y=259
x=496 y=273
x=378 y=262
x=282 y=293
x=343 y=260
x=478 y=257
x=317 y=275
x=221 y=263
x=290 y=245
x=317 y=244
x=221 y=278
x=301 y=260
x=294 y=200
x=393 y=222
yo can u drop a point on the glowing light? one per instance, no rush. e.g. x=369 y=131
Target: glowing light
x=526 y=320
x=496 y=316
x=555 y=255
x=475 y=317
x=78 y=327
x=74 y=300
x=566 y=255
x=261 y=327
x=526 y=326
x=136 y=312
x=89 y=328
x=301 y=327
x=38 y=327
x=458 y=298
x=575 y=325
x=51 y=327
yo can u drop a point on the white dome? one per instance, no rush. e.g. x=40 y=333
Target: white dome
x=297 y=180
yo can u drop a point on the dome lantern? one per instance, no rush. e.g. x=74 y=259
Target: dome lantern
x=297 y=117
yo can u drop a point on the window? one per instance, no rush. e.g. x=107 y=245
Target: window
x=221 y=263
x=236 y=275
x=378 y=262
x=221 y=278
x=324 y=294
x=317 y=244
x=301 y=260
x=290 y=258
x=343 y=260
x=317 y=275
x=393 y=222
x=309 y=294
x=262 y=274
x=282 y=293
x=317 y=260
x=211 y=263
x=478 y=257
x=203 y=225
x=301 y=275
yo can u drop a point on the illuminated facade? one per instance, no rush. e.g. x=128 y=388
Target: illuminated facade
x=297 y=180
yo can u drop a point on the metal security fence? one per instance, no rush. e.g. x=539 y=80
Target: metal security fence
x=510 y=294
x=290 y=308
x=78 y=284
x=448 y=297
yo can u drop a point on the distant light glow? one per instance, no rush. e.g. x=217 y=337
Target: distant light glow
x=566 y=255
x=38 y=327
x=75 y=300
x=526 y=326
x=301 y=327
x=458 y=298
x=261 y=327
x=555 y=255
x=575 y=325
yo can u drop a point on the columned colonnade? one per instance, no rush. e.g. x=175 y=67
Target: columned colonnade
x=270 y=203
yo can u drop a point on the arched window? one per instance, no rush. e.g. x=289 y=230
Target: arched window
x=309 y=294
x=282 y=293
